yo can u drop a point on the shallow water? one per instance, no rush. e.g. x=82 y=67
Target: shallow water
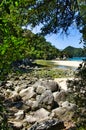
x=77 y=59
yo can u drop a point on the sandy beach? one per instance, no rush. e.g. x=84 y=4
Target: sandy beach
x=67 y=63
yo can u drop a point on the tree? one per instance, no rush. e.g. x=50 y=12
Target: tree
x=54 y=16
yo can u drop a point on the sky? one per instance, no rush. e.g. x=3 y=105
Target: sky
x=61 y=41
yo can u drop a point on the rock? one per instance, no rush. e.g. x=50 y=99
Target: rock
x=46 y=100
x=40 y=89
x=59 y=112
x=37 y=116
x=9 y=84
x=16 y=97
x=62 y=83
x=41 y=114
x=18 y=104
x=9 y=93
x=33 y=101
x=69 y=106
x=65 y=104
x=20 y=115
x=48 y=84
x=60 y=96
x=32 y=104
x=52 y=85
x=63 y=113
x=16 y=125
x=27 y=93
x=30 y=119
x=52 y=124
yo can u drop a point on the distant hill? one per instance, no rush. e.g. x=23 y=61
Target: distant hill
x=73 y=52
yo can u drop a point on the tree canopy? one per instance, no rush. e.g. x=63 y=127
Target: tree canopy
x=53 y=15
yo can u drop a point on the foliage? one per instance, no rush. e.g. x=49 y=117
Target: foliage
x=78 y=89
x=73 y=52
x=16 y=43
x=39 y=48
x=82 y=8
x=53 y=15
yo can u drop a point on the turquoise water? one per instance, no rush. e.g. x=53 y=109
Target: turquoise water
x=77 y=59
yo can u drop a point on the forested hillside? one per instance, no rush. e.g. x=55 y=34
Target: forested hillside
x=39 y=48
x=73 y=52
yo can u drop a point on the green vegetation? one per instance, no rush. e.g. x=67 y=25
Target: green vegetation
x=45 y=63
x=54 y=15
x=50 y=73
x=17 y=43
x=73 y=52
x=78 y=89
x=49 y=70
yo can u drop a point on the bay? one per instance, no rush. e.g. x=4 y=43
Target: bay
x=76 y=59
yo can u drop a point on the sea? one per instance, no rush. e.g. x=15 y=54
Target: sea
x=77 y=59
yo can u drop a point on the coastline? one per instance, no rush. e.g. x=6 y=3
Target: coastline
x=67 y=63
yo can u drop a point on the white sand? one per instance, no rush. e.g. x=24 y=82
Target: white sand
x=67 y=63
x=63 y=81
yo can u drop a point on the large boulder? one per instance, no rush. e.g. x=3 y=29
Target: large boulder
x=41 y=114
x=46 y=100
x=60 y=96
x=52 y=85
x=48 y=84
x=40 y=89
x=69 y=106
x=37 y=116
x=63 y=113
x=27 y=93
x=33 y=105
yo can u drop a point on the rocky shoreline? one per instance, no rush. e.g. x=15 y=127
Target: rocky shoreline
x=36 y=104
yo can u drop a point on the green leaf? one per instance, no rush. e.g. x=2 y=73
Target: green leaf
x=16 y=3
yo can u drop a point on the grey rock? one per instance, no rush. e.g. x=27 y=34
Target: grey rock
x=60 y=96
x=9 y=83
x=48 y=84
x=46 y=100
x=41 y=114
x=37 y=116
x=20 y=115
x=27 y=93
x=63 y=113
x=52 y=85
x=16 y=125
x=32 y=104
x=16 y=97
x=65 y=104
x=40 y=89
x=30 y=119
x=69 y=106
x=52 y=124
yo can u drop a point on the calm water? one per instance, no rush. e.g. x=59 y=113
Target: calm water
x=77 y=59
